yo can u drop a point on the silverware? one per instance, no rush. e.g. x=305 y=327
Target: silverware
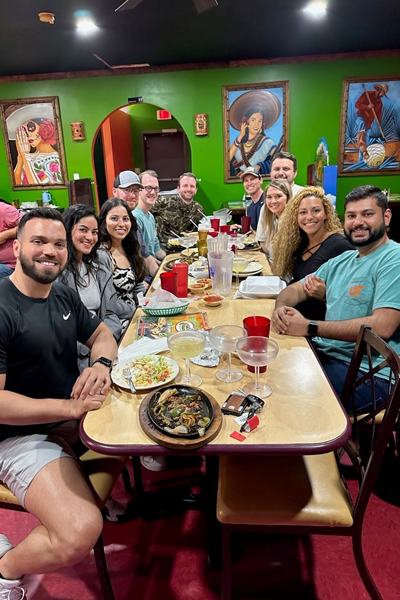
x=128 y=376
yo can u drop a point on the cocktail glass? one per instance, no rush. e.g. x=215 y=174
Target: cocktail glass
x=187 y=241
x=257 y=351
x=239 y=265
x=187 y=344
x=224 y=338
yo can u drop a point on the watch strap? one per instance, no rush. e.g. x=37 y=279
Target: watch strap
x=312 y=329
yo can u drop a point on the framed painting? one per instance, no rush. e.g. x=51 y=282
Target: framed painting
x=255 y=126
x=34 y=145
x=370 y=126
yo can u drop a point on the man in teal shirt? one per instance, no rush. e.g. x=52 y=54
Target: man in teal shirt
x=145 y=220
x=361 y=286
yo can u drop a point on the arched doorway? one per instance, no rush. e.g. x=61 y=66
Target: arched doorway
x=132 y=138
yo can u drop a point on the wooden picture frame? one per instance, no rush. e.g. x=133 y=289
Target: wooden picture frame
x=34 y=144
x=263 y=108
x=370 y=126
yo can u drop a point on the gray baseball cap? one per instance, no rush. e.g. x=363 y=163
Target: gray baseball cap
x=252 y=171
x=126 y=179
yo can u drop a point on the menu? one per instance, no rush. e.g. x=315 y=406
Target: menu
x=158 y=327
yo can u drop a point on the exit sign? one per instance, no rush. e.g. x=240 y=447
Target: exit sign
x=163 y=115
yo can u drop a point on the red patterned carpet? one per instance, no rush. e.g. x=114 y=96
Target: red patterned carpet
x=165 y=559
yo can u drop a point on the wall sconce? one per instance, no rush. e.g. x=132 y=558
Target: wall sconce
x=201 y=124
x=78 y=131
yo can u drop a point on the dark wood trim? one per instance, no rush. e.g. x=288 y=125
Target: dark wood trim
x=201 y=66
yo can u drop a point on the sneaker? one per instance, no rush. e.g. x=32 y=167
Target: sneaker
x=154 y=463
x=113 y=510
x=10 y=589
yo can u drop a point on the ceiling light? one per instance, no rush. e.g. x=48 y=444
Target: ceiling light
x=86 y=26
x=316 y=8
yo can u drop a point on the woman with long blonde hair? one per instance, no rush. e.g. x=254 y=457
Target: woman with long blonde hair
x=310 y=233
x=277 y=195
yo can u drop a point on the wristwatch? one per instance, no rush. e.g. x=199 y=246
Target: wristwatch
x=312 y=329
x=107 y=362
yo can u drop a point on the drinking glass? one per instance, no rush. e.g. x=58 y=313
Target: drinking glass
x=187 y=241
x=239 y=265
x=187 y=344
x=224 y=338
x=257 y=351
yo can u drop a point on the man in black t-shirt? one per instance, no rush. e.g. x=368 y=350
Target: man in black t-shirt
x=42 y=396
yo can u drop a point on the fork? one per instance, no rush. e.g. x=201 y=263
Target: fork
x=128 y=376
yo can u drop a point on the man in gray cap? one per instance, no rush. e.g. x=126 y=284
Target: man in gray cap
x=127 y=186
x=252 y=181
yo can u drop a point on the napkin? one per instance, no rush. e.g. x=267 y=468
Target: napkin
x=161 y=299
x=143 y=347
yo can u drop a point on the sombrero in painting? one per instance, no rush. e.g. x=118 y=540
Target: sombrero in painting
x=260 y=100
x=26 y=112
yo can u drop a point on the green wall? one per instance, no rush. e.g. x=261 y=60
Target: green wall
x=314 y=111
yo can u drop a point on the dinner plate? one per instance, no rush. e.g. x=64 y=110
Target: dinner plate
x=206 y=409
x=170 y=263
x=157 y=284
x=252 y=269
x=138 y=370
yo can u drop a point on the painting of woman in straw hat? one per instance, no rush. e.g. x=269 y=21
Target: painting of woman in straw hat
x=370 y=126
x=255 y=126
x=33 y=142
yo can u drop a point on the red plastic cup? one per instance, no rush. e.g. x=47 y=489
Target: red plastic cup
x=213 y=233
x=169 y=282
x=246 y=224
x=182 y=274
x=214 y=224
x=225 y=229
x=257 y=325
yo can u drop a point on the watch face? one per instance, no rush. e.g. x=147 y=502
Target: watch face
x=312 y=329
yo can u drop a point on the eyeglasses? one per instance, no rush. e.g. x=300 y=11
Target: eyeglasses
x=151 y=190
x=131 y=190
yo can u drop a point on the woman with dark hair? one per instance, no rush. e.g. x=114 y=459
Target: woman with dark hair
x=120 y=252
x=84 y=273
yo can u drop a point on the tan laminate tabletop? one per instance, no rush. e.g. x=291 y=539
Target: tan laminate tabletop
x=302 y=415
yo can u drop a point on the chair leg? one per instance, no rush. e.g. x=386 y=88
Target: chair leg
x=362 y=567
x=226 y=563
x=127 y=480
x=102 y=570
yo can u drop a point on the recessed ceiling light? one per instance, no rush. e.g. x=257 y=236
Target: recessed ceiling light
x=316 y=8
x=86 y=26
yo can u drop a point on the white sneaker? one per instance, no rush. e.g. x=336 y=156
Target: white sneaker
x=154 y=463
x=10 y=589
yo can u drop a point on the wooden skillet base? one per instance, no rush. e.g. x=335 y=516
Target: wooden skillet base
x=175 y=443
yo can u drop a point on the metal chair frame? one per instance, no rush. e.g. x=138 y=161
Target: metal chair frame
x=367 y=340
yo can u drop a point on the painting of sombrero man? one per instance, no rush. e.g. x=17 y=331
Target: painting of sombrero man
x=370 y=126
x=33 y=140
x=255 y=126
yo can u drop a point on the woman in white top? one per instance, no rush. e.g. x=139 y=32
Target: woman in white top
x=277 y=195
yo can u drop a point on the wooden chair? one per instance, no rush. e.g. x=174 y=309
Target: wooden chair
x=306 y=494
x=102 y=472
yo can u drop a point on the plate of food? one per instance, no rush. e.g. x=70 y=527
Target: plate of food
x=173 y=245
x=181 y=411
x=249 y=244
x=184 y=259
x=147 y=371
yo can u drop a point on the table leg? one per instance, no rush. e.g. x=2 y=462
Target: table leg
x=214 y=548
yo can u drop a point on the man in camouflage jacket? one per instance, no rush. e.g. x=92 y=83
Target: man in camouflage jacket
x=175 y=213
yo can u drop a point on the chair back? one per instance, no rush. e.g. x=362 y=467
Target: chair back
x=380 y=355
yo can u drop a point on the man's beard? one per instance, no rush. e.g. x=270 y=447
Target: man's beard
x=30 y=270
x=374 y=236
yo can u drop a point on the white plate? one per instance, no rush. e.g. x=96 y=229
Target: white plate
x=118 y=377
x=251 y=269
x=261 y=287
x=157 y=284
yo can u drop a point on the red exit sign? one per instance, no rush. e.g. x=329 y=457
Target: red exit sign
x=163 y=115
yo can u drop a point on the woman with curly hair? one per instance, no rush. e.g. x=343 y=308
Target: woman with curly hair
x=277 y=195
x=309 y=234
x=120 y=252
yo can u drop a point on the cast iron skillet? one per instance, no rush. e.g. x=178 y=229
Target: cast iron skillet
x=207 y=409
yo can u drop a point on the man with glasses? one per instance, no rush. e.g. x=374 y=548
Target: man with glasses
x=127 y=187
x=145 y=220
x=178 y=212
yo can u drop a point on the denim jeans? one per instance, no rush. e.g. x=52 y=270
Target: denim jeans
x=336 y=371
x=5 y=270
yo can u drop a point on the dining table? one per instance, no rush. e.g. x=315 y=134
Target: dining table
x=302 y=415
